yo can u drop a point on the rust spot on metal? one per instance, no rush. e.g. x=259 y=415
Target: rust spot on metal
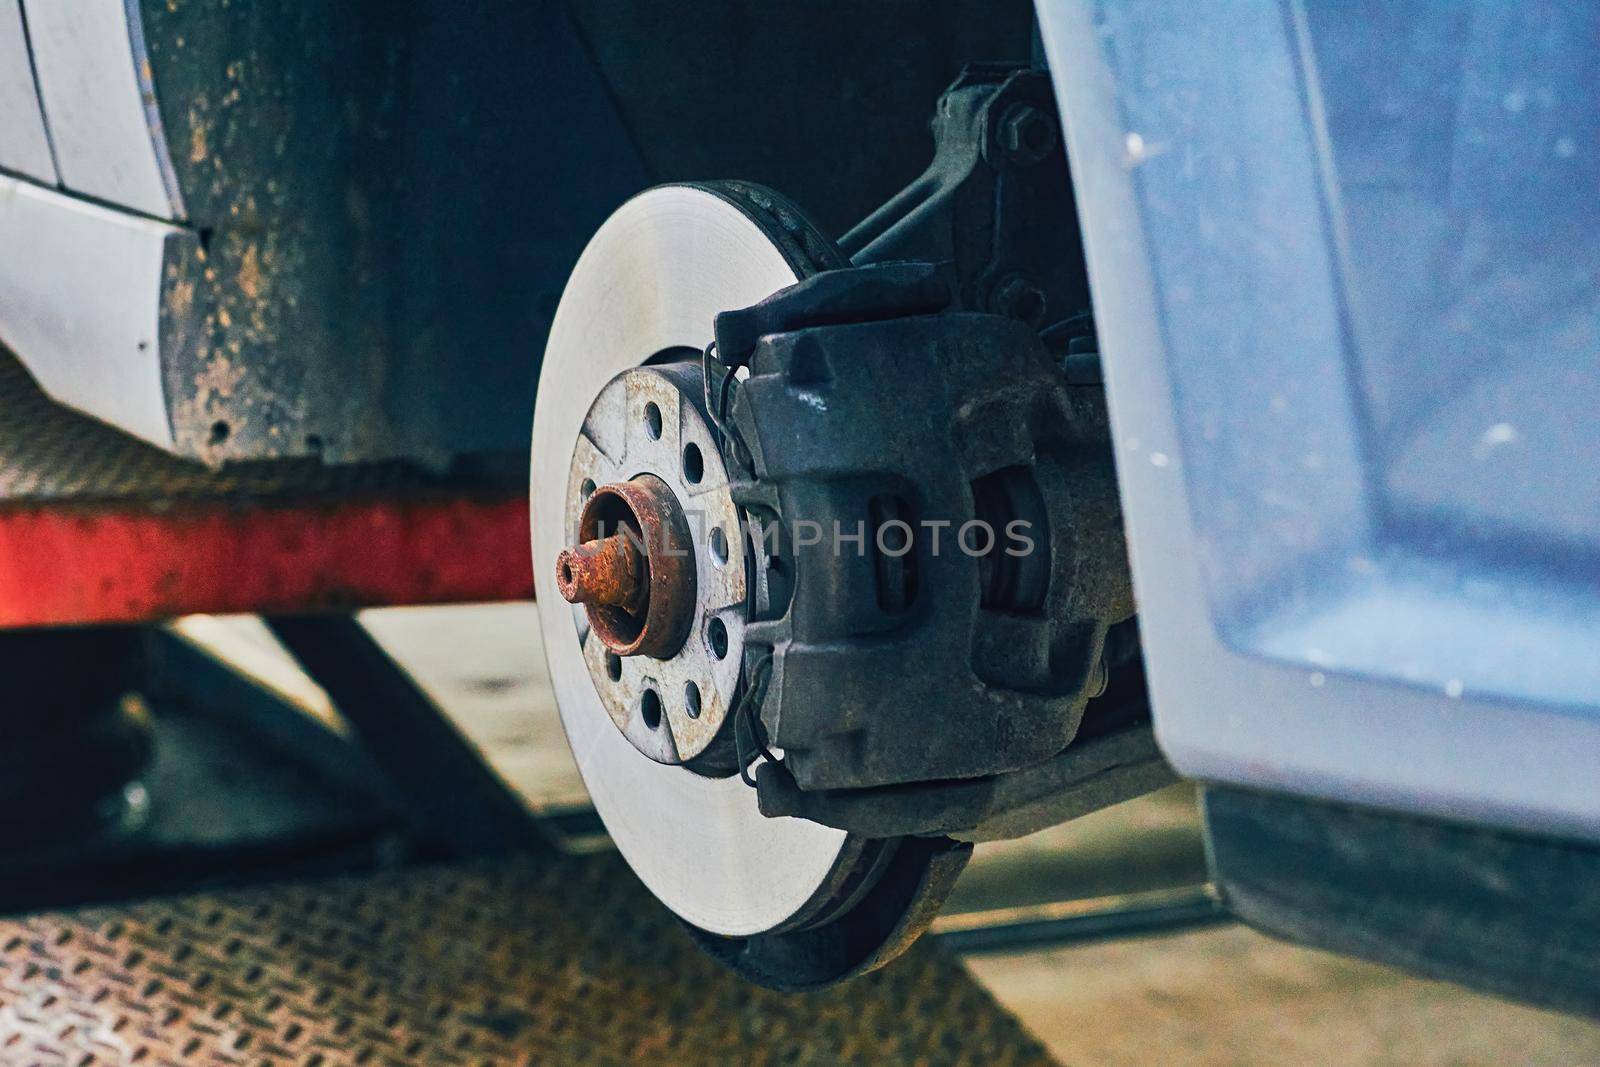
x=249 y=274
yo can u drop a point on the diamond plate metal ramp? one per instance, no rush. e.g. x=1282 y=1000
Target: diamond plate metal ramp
x=564 y=960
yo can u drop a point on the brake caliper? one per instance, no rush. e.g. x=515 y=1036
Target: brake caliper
x=934 y=535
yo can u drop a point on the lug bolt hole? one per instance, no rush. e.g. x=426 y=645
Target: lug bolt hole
x=587 y=488
x=719 y=546
x=694 y=464
x=691 y=699
x=613 y=666
x=652 y=421
x=650 y=708
x=717 y=634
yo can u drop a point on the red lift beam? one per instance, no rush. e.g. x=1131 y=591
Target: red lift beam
x=96 y=527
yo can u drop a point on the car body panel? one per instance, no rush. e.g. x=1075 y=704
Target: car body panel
x=24 y=144
x=1329 y=607
x=96 y=84
x=83 y=308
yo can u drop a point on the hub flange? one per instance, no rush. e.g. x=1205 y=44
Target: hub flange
x=654 y=564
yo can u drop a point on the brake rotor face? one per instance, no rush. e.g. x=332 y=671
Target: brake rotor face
x=653 y=279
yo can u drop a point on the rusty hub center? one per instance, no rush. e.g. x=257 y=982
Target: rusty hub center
x=651 y=564
x=633 y=569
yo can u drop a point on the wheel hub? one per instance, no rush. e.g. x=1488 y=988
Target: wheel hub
x=653 y=565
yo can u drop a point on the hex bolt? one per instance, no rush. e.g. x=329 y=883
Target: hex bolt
x=609 y=571
x=1018 y=298
x=1027 y=135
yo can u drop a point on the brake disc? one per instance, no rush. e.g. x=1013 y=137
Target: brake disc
x=789 y=902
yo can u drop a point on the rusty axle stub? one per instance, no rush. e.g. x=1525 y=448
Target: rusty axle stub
x=633 y=568
x=609 y=571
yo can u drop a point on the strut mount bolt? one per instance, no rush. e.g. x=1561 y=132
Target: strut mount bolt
x=1027 y=134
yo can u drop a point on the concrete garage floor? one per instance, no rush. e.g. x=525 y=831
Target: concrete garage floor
x=1222 y=995
x=1217 y=995
x=1229 y=996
